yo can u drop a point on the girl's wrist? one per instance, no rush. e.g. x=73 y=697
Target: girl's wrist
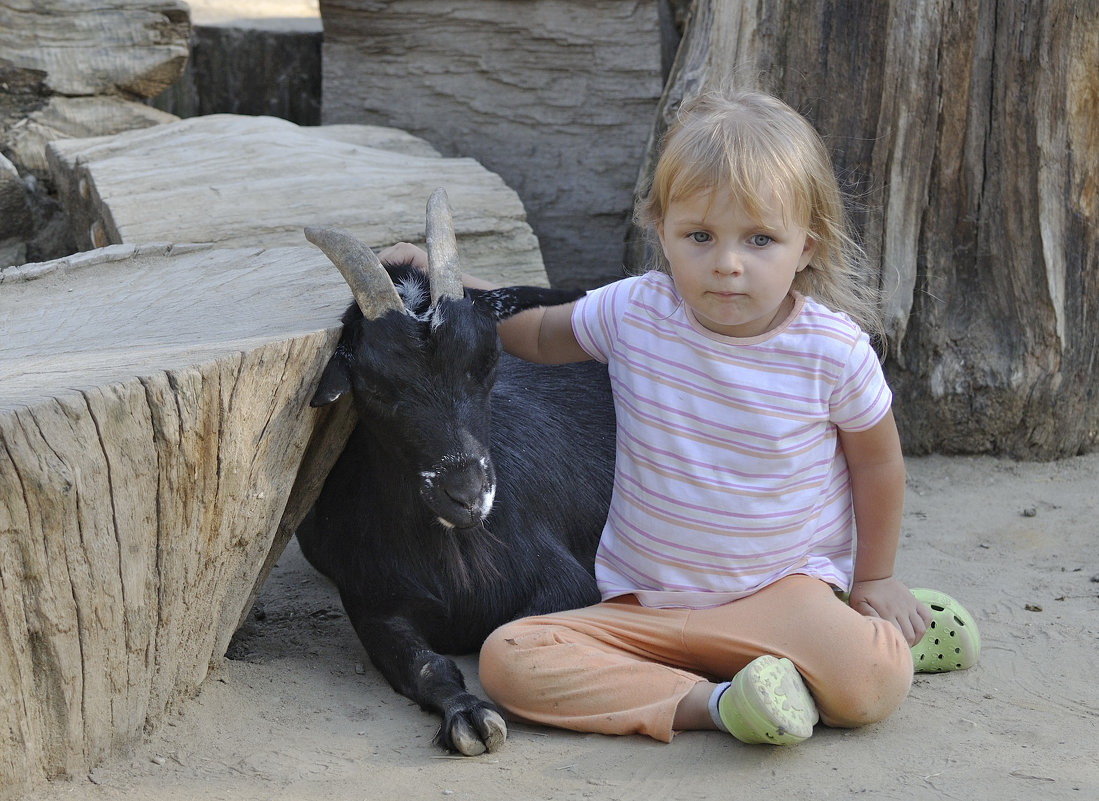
x=859 y=580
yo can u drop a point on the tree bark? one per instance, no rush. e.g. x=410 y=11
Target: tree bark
x=967 y=134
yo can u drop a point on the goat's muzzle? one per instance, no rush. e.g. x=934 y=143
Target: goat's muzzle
x=460 y=490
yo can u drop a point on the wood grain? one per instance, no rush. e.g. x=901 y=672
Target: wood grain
x=258 y=181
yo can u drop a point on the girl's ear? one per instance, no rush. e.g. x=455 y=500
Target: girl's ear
x=807 y=252
x=660 y=235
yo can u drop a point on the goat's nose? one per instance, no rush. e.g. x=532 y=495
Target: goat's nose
x=461 y=492
x=464 y=495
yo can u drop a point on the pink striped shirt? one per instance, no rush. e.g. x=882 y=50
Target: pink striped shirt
x=728 y=473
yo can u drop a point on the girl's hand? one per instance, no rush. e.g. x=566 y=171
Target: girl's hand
x=890 y=600
x=404 y=253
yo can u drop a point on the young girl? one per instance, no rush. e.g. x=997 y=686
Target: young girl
x=754 y=436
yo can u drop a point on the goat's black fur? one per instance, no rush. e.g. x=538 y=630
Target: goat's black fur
x=435 y=396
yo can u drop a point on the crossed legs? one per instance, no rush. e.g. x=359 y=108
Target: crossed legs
x=621 y=668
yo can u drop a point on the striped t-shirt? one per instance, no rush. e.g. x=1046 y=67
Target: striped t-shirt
x=728 y=473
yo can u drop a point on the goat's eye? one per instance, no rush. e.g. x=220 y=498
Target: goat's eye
x=482 y=372
x=478 y=374
x=371 y=393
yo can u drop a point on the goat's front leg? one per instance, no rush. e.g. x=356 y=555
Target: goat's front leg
x=471 y=725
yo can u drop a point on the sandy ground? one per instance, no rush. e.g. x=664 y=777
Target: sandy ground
x=299 y=713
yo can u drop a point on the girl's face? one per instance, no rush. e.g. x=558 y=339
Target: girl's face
x=733 y=270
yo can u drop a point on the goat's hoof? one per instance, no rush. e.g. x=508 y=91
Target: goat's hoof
x=496 y=731
x=488 y=734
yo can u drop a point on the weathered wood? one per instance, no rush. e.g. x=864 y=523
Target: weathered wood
x=134 y=48
x=156 y=448
x=74 y=118
x=258 y=181
x=75 y=68
x=150 y=441
x=969 y=135
x=554 y=95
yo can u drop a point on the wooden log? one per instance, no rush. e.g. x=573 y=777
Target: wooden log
x=150 y=444
x=258 y=181
x=967 y=133
x=553 y=95
x=74 y=118
x=75 y=68
x=133 y=48
x=156 y=447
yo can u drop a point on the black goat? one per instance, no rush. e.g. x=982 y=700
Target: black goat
x=475 y=485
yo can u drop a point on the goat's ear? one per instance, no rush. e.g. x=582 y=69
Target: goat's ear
x=335 y=381
x=506 y=301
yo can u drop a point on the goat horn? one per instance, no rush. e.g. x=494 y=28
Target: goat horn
x=442 y=250
x=370 y=283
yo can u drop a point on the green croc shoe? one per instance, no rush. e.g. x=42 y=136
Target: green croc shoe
x=951 y=642
x=768 y=702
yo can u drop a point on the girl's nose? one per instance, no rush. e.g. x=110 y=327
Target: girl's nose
x=728 y=263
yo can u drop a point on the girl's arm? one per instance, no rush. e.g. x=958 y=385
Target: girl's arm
x=538 y=335
x=877 y=487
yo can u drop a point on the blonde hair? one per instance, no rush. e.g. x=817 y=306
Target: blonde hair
x=756 y=145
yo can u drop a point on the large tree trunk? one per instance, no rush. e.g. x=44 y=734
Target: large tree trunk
x=968 y=134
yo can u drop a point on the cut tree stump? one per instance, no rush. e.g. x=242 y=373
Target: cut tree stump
x=71 y=68
x=77 y=68
x=150 y=441
x=240 y=181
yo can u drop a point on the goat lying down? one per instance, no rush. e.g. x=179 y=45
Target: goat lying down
x=475 y=485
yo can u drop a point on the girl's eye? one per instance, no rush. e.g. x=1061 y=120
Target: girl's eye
x=699 y=236
x=760 y=240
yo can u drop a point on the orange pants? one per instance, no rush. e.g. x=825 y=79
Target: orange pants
x=621 y=668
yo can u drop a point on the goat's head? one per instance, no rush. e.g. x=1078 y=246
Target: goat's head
x=419 y=354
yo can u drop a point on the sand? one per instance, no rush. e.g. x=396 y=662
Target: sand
x=299 y=712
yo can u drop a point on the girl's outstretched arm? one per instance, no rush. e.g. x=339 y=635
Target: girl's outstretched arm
x=877 y=487
x=538 y=335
